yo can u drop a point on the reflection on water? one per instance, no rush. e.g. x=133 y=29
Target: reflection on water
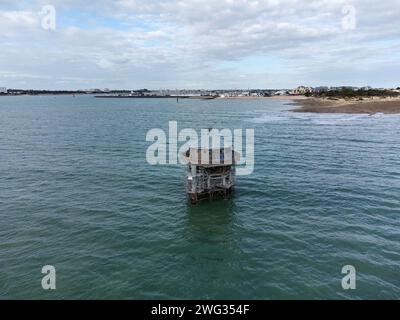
x=213 y=218
x=210 y=229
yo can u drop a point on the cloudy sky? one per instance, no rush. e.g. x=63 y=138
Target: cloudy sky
x=199 y=43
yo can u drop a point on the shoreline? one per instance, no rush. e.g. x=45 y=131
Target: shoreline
x=288 y=98
x=390 y=105
x=350 y=106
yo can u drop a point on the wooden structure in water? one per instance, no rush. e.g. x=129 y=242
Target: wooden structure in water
x=210 y=173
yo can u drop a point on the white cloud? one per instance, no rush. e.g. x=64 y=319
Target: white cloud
x=130 y=43
x=15 y=22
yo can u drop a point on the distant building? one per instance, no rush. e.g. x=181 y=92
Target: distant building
x=343 y=88
x=321 y=89
x=281 y=93
x=302 y=90
x=91 y=91
x=3 y=90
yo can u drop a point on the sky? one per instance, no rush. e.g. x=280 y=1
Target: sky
x=199 y=44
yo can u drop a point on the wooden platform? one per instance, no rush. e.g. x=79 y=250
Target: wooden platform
x=210 y=174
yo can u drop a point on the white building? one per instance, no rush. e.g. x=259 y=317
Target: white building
x=367 y=88
x=3 y=90
x=302 y=90
x=281 y=93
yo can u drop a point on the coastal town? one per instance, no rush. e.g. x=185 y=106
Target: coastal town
x=198 y=93
x=344 y=99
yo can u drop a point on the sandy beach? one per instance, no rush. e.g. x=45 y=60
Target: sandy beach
x=288 y=98
x=321 y=105
x=365 y=106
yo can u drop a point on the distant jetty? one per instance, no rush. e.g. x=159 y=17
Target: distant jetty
x=155 y=97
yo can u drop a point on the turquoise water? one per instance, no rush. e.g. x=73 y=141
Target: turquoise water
x=76 y=192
